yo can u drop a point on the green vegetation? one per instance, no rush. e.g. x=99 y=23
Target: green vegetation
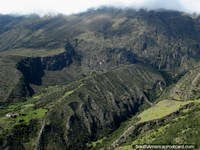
x=20 y=113
x=105 y=142
x=156 y=134
x=188 y=86
x=23 y=116
x=150 y=136
x=182 y=128
x=99 y=142
x=26 y=115
x=161 y=109
x=72 y=91
x=96 y=74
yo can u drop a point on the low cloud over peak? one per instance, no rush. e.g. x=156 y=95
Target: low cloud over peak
x=68 y=7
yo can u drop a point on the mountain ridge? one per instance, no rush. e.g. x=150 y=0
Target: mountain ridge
x=76 y=82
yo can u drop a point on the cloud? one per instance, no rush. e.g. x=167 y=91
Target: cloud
x=75 y=6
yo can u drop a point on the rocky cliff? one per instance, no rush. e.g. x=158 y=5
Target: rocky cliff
x=32 y=69
x=91 y=109
x=161 y=38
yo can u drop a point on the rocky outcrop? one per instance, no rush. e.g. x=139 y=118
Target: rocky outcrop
x=33 y=69
x=21 y=90
x=96 y=106
x=188 y=87
x=58 y=62
x=160 y=38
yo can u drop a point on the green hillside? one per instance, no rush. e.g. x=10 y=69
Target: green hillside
x=179 y=128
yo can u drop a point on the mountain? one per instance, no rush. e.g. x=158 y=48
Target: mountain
x=162 y=38
x=102 y=79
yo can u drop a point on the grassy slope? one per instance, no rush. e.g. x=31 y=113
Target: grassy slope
x=26 y=120
x=22 y=112
x=188 y=86
x=161 y=110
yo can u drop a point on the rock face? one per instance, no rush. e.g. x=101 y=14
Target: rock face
x=88 y=109
x=9 y=77
x=187 y=87
x=59 y=61
x=96 y=106
x=33 y=69
x=159 y=38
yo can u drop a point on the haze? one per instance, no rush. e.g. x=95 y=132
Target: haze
x=75 y=6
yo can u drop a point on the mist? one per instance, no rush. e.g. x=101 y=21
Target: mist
x=68 y=7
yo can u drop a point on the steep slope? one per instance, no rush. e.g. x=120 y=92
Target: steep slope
x=26 y=72
x=9 y=77
x=187 y=87
x=66 y=81
x=181 y=126
x=165 y=39
x=81 y=111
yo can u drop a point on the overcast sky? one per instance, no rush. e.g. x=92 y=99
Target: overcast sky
x=75 y=6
